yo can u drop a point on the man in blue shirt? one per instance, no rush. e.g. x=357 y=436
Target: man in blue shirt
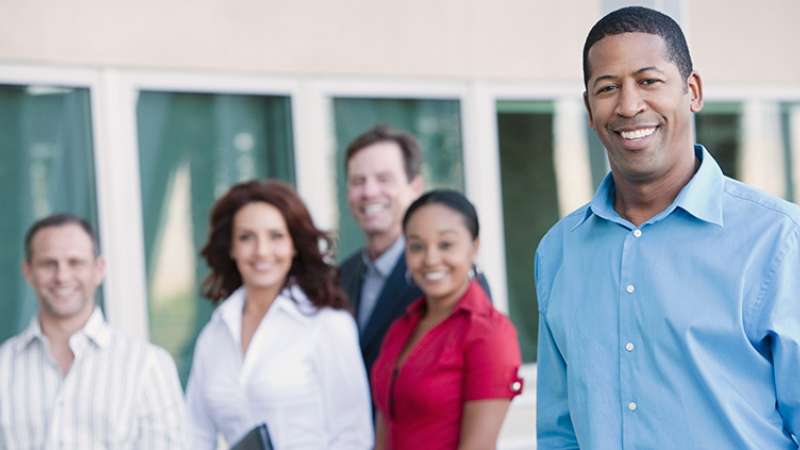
x=669 y=305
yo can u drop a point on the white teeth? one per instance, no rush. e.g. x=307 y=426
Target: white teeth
x=262 y=266
x=373 y=208
x=637 y=134
x=434 y=276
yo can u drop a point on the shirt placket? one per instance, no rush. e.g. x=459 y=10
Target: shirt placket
x=628 y=338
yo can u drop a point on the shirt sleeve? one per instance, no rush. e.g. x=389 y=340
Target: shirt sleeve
x=553 y=423
x=491 y=361
x=343 y=379
x=202 y=431
x=162 y=416
x=780 y=327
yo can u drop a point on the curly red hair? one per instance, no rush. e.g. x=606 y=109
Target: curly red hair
x=310 y=267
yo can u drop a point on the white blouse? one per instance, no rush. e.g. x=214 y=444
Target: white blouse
x=302 y=374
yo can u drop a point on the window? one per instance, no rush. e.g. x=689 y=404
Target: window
x=46 y=166
x=790 y=131
x=192 y=148
x=718 y=128
x=435 y=123
x=530 y=204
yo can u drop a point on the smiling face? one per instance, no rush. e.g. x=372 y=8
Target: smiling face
x=64 y=272
x=439 y=252
x=261 y=246
x=641 y=107
x=378 y=190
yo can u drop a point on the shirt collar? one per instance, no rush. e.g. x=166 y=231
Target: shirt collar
x=96 y=330
x=384 y=263
x=291 y=301
x=473 y=300
x=701 y=197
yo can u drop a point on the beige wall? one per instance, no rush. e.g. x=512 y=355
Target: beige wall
x=511 y=39
x=739 y=41
x=733 y=41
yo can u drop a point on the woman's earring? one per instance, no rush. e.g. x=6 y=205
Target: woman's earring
x=407 y=276
x=473 y=271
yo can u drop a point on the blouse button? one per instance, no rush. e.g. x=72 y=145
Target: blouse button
x=516 y=386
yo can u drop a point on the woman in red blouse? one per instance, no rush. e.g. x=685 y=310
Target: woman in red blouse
x=447 y=369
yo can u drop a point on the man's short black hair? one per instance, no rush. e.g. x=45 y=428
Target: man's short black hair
x=637 y=19
x=58 y=220
x=409 y=148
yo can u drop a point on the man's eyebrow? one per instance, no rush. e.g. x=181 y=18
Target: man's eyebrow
x=647 y=69
x=638 y=72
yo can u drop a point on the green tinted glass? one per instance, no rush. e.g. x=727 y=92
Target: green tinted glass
x=530 y=204
x=435 y=123
x=718 y=127
x=46 y=167
x=192 y=148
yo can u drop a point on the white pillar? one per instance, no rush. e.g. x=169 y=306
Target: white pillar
x=483 y=186
x=315 y=154
x=119 y=203
x=794 y=139
x=761 y=162
x=571 y=156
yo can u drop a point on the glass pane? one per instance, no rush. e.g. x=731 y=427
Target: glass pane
x=530 y=204
x=790 y=132
x=718 y=128
x=436 y=125
x=46 y=166
x=192 y=147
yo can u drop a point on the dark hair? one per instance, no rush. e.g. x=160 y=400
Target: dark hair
x=451 y=199
x=310 y=269
x=637 y=19
x=409 y=148
x=58 y=220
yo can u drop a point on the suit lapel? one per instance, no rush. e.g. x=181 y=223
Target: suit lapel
x=352 y=273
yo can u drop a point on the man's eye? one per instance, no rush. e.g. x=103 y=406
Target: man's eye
x=606 y=89
x=445 y=245
x=649 y=81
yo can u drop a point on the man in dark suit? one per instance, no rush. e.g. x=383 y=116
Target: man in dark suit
x=383 y=168
x=383 y=178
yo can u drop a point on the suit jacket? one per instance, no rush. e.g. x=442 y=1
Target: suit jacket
x=395 y=297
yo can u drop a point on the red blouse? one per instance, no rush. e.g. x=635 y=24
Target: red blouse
x=472 y=355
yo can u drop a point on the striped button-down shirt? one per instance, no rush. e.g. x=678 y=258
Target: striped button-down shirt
x=119 y=393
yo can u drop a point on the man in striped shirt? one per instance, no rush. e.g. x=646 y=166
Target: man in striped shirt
x=69 y=381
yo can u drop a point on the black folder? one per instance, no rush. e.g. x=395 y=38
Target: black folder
x=257 y=439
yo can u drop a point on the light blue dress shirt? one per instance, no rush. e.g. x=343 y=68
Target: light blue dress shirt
x=683 y=333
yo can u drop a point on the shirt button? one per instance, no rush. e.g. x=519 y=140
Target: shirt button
x=630 y=288
x=516 y=386
x=629 y=346
x=637 y=233
x=632 y=406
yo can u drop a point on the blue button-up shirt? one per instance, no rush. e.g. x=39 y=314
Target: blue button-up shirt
x=683 y=333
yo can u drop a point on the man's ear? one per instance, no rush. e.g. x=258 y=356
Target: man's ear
x=26 y=271
x=588 y=108
x=418 y=185
x=695 y=85
x=99 y=269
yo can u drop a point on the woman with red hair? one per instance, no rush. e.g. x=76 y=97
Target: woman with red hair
x=281 y=348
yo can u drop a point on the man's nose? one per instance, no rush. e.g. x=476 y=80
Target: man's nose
x=630 y=101
x=371 y=187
